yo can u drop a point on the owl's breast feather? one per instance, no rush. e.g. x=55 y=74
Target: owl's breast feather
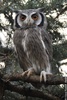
x=32 y=44
x=25 y=39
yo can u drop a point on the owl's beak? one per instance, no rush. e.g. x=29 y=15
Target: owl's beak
x=29 y=23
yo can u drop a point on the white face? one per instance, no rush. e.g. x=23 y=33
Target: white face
x=30 y=19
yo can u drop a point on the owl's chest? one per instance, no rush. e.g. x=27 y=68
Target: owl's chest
x=24 y=40
x=30 y=39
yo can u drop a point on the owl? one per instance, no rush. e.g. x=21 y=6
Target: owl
x=33 y=42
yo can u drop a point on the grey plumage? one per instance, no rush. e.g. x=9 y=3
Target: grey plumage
x=33 y=43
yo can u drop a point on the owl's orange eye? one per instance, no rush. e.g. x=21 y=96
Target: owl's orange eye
x=22 y=17
x=34 y=17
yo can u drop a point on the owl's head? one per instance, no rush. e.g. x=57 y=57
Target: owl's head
x=30 y=18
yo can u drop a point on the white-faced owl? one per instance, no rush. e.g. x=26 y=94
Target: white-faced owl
x=33 y=42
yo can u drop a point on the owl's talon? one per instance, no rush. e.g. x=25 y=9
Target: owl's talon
x=25 y=73
x=28 y=72
x=43 y=76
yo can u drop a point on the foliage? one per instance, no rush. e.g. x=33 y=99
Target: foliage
x=59 y=43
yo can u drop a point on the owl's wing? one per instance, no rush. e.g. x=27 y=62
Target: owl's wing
x=47 y=38
x=22 y=57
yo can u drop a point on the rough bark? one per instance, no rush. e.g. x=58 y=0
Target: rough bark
x=51 y=79
x=27 y=91
x=5 y=80
x=1 y=89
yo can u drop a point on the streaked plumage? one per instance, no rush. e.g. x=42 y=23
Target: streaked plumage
x=32 y=42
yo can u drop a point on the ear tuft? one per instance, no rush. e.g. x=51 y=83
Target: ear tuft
x=15 y=11
x=41 y=9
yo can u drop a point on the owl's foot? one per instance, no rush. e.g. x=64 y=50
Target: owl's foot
x=28 y=72
x=43 y=75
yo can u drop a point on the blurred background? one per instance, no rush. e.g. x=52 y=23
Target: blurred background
x=56 y=14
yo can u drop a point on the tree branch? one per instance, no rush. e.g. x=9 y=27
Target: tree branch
x=27 y=91
x=51 y=79
x=62 y=11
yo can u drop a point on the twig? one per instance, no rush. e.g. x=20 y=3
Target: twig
x=62 y=11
